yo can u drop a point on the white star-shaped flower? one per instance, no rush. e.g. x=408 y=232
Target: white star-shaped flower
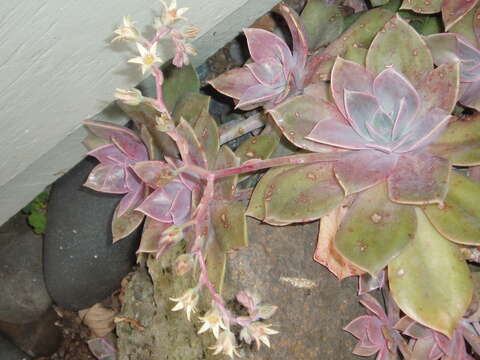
x=148 y=57
x=212 y=320
x=127 y=31
x=225 y=344
x=257 y=331
x=171 y=14
x=187 y=301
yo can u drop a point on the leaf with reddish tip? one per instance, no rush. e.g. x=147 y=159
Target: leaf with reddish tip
x=460 y=142
x=454 y=10
x=363 y=169
x=124 y=225
x=191 y=107
x=458 y=218
x=303 y=194
x=297 y=117
x=420 y=285
x=419 y=178
x=375 y=230
x=325 y=253
x=216 y=260
x=155 y=174
x=440 y=88
x=124 y=138
x=229 y=223
x=422 y=6
x=361 y=33
x=234 y=83
x=225 y=188
x=152 y=230
x=347 y=75
x=262 y=191
x=190 y=147
x=323 y=22
x=208 y=135
x=399 y=46
x=108 y=179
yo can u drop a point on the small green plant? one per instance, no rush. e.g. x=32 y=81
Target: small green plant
x=37 y=213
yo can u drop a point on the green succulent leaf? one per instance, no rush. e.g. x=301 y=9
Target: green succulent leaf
x=400 y=46
x=379 y=2
x=422 y=6
x=124 y=225
x=178 y=83
x=216 y=260
x=429 y=280
x=356 y=54
x=191 y=106
x=256 y=206
x=360 y=33
x=323 y=22
x=465 y=26
x=302 y=194
x=230 y=225
x=190 y=147
x=458 y=218
x=225 y=188
x=152 y=229
x=460 y=142
x=207 y=133
x=375 y=230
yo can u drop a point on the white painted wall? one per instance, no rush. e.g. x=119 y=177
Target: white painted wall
x=57 y=68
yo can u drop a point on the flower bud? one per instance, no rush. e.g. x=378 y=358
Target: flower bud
x=184 y=263
x=164 y=123
x=131 y=97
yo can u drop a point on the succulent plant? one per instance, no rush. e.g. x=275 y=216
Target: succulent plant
x=275 y=72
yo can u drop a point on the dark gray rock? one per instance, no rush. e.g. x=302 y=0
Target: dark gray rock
x=82 y=266
x=24 y=295
x=8 y=351
x=38 y=338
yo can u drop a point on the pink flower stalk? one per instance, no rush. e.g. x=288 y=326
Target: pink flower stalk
x=449 y=47
x=275 y=72
x=113 y=175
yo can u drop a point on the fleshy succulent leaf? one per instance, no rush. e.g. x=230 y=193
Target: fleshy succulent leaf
x=179 y=81
x=258 y=147
x=225 y=188
x=264 y=45
x=458 y=218
x=191 y=106
x=434 y=298
x=419 y=178
x=315 y=193
x=326 y=253
x=216 y=261
x=208 y=135
x=108 y=179
x=190 y=147
x=399 y=46
x=460 y=142
x=152 y=230
x=262 y=191
x=363 y=169
x=136 y=193
x=375 y=230
x=454 y=10
x=297 y=116
x=234 y=83
x=422 y=6
x=125 y=224
x=361 y=32
x=155 y=174
x=323 y=22
x=229 y=223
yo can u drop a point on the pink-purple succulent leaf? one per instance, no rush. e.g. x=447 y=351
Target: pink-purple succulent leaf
x=352 y=76
x=189 y=146
x=109 y=155
x=135 y=195
x=368 y=345
x=264 y=46
x=268 y=73
x=380 y=129
x=163 y=205
x=425 y=131
x=363 y=169
x=154 y=173
x=332 y=132
x=373 y=306
x=470 y=94
x=126 y=140
x=152 y=231
x=367 y=282
x=297 y=116
x=391 y=90
x=234 y=83
x=108 y=179
x=126 y=223
x=419 y=178
x=361 y=108
x=259 y=94
x=454 y=10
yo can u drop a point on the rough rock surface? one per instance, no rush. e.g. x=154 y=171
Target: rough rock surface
x=82 y=266
x=313 y=305
x=10 y=351
x=24 y=295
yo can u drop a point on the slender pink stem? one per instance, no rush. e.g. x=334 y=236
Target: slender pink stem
x=162 y=32
x=158 y=74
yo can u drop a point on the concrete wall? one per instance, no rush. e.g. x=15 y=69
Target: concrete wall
x=58 y=68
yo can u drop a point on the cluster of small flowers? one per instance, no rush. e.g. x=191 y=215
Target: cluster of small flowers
x=218 y=319
x=148 y=49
